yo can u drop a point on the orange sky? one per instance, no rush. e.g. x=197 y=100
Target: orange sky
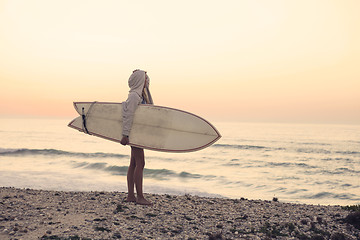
x=224 y=60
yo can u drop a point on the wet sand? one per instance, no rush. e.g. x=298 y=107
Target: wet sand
x=40 y=214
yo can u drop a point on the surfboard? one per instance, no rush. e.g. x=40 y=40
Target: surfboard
x=154 y=127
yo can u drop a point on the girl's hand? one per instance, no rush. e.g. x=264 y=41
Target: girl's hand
x=125 y=140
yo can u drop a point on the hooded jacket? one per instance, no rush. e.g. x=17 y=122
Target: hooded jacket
x=137 y=95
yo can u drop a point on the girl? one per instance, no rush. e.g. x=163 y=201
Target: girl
x=139 y=93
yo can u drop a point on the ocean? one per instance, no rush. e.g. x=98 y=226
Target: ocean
x=298 y=163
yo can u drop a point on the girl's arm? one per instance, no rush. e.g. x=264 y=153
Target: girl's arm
x=128 y=111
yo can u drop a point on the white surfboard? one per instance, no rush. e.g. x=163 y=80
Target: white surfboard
x=154 y=127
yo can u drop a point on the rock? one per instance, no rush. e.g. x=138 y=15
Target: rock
x=116 y=235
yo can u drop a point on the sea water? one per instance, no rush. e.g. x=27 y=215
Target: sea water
x=300 y=163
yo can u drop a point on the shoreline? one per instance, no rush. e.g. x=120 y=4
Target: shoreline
x=46 y=214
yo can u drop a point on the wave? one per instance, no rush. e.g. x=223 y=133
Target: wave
x=322 y=195
x=237 y=146
x=189 y=175
x=313 y=143
x=326 y=152
x=345 y=170
x=122 y=170
x=289 y=164
x=338 y=171
x=313 y=150
x=271 y=164
x=54 y=152
x=159 y=174
x=297 y=149
x=339 y=159
x=348 y=152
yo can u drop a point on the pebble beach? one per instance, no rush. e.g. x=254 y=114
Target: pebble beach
x=42 y=214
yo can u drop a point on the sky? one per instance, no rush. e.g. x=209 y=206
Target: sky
x=248 y=60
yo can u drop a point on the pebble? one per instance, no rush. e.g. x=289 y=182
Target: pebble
x=105 y=215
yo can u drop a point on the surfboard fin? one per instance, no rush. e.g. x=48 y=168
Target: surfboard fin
x=84 y=122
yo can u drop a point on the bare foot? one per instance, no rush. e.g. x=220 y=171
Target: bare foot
x=143 y=201
x=131 y=199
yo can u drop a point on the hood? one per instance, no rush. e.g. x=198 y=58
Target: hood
x=136 y=84
x=137 y=81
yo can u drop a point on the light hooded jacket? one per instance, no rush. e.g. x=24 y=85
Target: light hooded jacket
x=137 y=95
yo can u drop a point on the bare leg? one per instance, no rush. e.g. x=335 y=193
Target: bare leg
x=130 y=180
x=137 y=155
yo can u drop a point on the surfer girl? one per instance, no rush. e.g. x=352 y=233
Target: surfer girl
x=139 y=94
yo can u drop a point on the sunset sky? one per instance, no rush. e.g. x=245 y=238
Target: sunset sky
x=240 y=60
